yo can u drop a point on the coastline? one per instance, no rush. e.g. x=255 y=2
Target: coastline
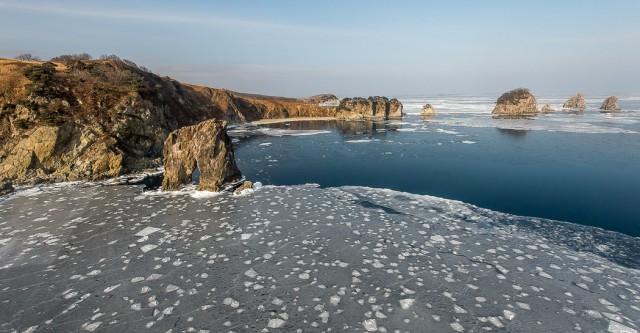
x=286 y=120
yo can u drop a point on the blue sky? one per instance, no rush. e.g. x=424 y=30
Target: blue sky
x=300 y=48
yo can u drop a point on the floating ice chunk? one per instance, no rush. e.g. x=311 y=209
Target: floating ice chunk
x=171 y=288
x=468 y=142
x=615 y=327
x=93 y=326
x=109 y=289
x=251 y=273
x=245 y=236
x=406 y=303
x=437 y=239
x=370 y=325
x=231 y=302
x=334 y=300
x=265 y=144
x=359 y=141
x=457 y=327
x=508 y=314
x=154 y=276
x=148 y=247
x=304 y=276
x=459 y=309
x=275 y=323
x=277 y=301
x=147 y=231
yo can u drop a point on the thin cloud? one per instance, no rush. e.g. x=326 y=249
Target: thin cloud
x=162 y=17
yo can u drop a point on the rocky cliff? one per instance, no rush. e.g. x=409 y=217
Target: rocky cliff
x=517 y=102
x=610 y=104
x=575 y=102
x=90 y=120
x=205 y=146
x=373 y=108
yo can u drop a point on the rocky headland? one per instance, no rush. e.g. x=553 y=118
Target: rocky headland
x=372 y=108
x=610 y=104
x=516 y=102
x=91 y=120
x=576 y=102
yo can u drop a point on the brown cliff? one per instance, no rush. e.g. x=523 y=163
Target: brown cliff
x=575 y=102
x=90 y=120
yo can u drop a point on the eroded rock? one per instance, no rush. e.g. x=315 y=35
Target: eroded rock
x=516 y=102
x=6 y=188
x=372 y=108
x=205 y=146
x=610 y=104
x=547 y=109
x=428 y=112
x=575 y=102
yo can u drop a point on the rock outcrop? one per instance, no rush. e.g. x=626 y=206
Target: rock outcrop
x=322 y=100
x=6 y=188
x=247 y=185
x=547 y=109
x=372 y=108
x=575 y=102
x=428 y=112
x=205 y=146
x=90 y=120
x=517 y=102
x=610 y=104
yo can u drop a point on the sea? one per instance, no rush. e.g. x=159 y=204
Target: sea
x=578 y=167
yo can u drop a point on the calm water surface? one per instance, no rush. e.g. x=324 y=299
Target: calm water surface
x=577 y=167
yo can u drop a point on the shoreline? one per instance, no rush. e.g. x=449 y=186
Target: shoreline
x=284 y=120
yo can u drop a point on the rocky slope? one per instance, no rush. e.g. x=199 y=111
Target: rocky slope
x=516 y=102
x=575 y=102
x=205 y=146
x=89 y=120
x=610 y=104
x=372 y=108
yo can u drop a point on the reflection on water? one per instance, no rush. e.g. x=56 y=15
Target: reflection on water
x=511 y=132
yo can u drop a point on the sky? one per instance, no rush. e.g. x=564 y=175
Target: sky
x=348 y=47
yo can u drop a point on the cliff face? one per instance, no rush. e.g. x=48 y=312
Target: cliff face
x=374 y=108
x=90 y=120
x=515 y=103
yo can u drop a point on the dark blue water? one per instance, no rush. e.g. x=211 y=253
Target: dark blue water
x=581 y=176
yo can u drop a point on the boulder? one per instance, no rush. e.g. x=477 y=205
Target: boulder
x=575 y=102
x=247 y=185
x=205 y=146
x=547 y=109
x=610 y=104
x=517 y=102
x=428 y=111
x=6 y=188
x=372 y=108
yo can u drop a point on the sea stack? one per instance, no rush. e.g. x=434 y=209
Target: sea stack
x=516 y=102
x=205 y=146
x=547 y=109
x=372 y=108
x=610 y=104
x=428 y=112
x=575 y=102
